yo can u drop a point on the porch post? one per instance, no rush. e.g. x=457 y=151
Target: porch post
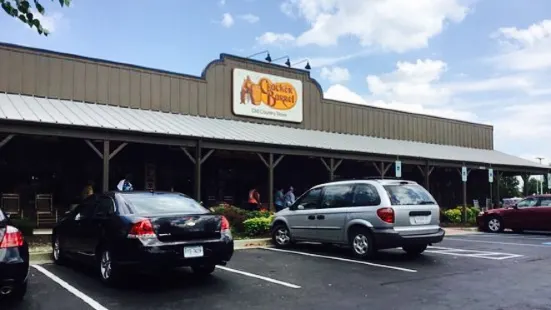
x=105 y=157
x=271 y=164
x=198 y=171
x=426 y=171
x=331 y=167
x=498 y=185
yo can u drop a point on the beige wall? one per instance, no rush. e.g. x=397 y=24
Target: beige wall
x=42 y=73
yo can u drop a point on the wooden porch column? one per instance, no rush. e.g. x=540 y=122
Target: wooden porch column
x=198 y=160
x=331 y=167
x=106 y=155
x=426 y=171
x=270 y=164
x=382 y=168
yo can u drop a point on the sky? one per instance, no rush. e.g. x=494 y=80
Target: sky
x=484 y=61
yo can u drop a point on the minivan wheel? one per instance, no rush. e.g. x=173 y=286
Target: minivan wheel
x=281 y=236
x=414 y=250
x=362 y=244
x=494 y=224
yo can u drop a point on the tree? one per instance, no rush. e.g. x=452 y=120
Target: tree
x=533 y=186
x=23 y=10
x=509 y=187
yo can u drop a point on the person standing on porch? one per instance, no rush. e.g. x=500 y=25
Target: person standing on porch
x=125 y=184
x=88 y=190
x=289 y=197
x=254 y=199
x=279 y=200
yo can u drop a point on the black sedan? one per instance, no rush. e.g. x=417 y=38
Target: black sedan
x=137 y=231
x=14 y=261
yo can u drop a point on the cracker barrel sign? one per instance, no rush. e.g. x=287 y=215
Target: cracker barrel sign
x=266 y=96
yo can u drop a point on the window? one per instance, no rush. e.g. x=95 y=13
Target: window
x=408 y=194
x=527 y=203
x=161 y=203
x=86 y=209
x=310 y=200
x=366 y=195
x=105 y=207
x=337 y=196
x=545 y=202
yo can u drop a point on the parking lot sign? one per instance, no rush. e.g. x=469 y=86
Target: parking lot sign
x=549 y=181
x=464 y=174
x=491 y=175
x=398 y=168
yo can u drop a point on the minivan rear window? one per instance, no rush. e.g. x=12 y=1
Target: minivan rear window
x=162 y=203
x=408 y=194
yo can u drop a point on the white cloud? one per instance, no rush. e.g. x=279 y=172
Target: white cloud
x=271 y=38
x=341 y=93
x=227 y=20
x=394 y=25
x=249 y=18
x=335 y=74
x=525 y=49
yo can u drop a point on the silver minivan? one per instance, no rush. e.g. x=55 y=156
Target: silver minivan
x=367 y=215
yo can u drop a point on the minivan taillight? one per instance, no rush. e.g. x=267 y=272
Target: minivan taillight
x=386 y=214
x=225 y=225
x=142 y=229
x=13 y=238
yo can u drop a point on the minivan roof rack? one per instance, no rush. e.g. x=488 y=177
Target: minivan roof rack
x=380 y=178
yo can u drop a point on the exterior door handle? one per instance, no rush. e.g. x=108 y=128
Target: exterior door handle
x=321 y=217
x=311 y=217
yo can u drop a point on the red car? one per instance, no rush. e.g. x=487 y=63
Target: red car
x=531 y=213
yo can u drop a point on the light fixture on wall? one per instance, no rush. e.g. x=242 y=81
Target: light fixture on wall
x=287 y=63
x=268 y=57
x=307 y=67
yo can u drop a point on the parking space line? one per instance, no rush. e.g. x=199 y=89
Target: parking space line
x=252 y=275
x=498 y=242
x=472 y=253
x=342 y=259
x=92 y=303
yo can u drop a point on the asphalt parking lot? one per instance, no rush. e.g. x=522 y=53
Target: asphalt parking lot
x=477 y=271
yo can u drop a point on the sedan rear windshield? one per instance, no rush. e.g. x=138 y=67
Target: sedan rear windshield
x=162 y=203
x=408 y=194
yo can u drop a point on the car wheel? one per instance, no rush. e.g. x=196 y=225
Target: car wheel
x=362 y=243
x=494 y=224
x=107 y=267
x=203 y=270
x=281 y=236
x=414 y=250
x=57 y=252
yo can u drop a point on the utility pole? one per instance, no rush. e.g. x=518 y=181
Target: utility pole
x=540 y=182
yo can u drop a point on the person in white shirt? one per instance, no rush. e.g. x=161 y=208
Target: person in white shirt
x=125 y=184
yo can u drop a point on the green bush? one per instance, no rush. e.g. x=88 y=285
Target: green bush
x=235 y=216
x=26 y=226
x=258 y=226
x=455 y=215
x=253 y=214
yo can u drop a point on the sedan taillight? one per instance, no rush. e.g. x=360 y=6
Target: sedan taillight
x=13 y=238
x=142 y=229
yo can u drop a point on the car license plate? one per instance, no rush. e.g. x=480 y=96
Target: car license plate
x=193 y=251
x=420 y=220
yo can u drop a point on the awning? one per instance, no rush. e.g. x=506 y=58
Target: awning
x=73 y=113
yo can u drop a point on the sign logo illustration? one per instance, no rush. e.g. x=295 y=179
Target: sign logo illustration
x=278 y=96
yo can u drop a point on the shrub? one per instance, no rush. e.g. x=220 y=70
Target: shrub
x=26 y=226
x=258 y=226
x=235 y=216
x=253 y=214
x=455 y=215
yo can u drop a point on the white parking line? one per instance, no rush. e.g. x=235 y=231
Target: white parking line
x=252 y=275
x=498 y=242
x=342 y=259
x=472 y=253
x=510 y=236
x=92 y=303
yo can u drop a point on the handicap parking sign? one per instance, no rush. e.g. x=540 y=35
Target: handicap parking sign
x=491 y=175
x=398 y=168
